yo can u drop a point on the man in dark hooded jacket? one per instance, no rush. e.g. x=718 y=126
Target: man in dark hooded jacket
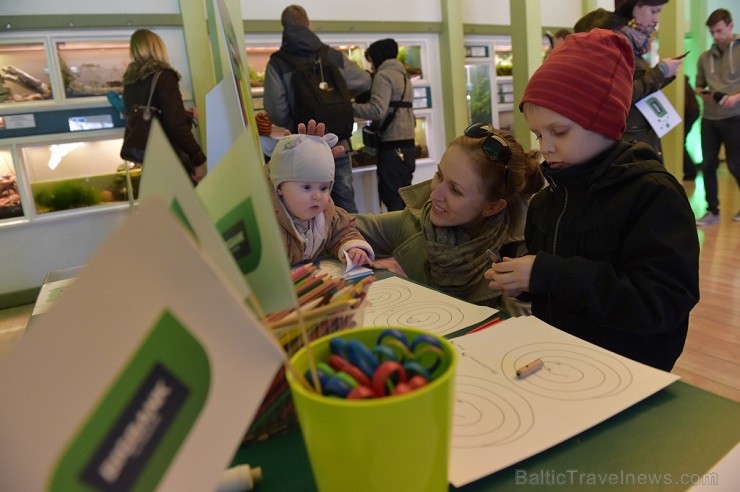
x=300 y=41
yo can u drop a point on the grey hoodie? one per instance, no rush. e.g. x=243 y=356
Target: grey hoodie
x=719 y=70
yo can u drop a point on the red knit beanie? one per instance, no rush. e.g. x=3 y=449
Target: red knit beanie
x=587 y=79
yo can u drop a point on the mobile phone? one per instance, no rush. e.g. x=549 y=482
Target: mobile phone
x=679 y=57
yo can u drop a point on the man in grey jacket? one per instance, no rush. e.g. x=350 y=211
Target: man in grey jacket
x=300 y=41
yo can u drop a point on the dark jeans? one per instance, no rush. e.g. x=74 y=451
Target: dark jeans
x=396 y=165
x=714 y=133
x=342 y=192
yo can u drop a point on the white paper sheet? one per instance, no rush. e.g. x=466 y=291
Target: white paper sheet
x=346 y=270
x=49 y=293
x=500 y=419
x=398 y=302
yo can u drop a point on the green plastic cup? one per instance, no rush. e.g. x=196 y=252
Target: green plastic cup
x=398 y=442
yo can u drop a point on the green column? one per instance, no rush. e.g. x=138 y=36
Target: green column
x=671 y=35
x=199 y=57
x=589 y=5
x=452 y=67
x=526 y=46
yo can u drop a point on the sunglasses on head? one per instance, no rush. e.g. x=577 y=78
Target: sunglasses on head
x=494 y=146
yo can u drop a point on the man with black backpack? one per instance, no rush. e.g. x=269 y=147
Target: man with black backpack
x=306 y=79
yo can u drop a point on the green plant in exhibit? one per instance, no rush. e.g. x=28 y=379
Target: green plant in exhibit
x=67 y=195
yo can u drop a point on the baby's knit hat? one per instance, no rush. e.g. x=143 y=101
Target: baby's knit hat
x=302 y=158
x=587 y=79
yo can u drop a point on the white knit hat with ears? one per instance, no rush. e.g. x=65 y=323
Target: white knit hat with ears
x=303 y=158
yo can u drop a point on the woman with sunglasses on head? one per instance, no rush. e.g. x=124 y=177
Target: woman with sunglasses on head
x=477 y=200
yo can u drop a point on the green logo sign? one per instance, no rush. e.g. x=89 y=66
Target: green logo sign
x=131 y=437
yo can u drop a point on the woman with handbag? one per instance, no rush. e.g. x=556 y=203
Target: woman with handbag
x=390 y=109
x=151 y=90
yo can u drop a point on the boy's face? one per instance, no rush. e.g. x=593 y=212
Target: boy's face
x=305 y=200
x=563 y=143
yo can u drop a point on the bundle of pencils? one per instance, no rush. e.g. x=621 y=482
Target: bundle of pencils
x=320 y=296
x=327 y=304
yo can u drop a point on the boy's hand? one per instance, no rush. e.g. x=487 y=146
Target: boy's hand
x=510 y=276
x=358 y=255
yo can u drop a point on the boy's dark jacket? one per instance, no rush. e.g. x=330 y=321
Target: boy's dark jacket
x=617 y=254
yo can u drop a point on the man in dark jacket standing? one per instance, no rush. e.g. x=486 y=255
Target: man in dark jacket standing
x=300 y=41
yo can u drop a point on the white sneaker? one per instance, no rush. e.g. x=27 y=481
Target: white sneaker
x=736 y=218
x=709 y=219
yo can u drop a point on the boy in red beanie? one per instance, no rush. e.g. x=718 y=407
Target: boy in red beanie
x=613 y=250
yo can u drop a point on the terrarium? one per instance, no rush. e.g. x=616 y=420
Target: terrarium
x=76 y=174
x=24 y=72
x=92 y=68
x=410 y=56
x=10 y=199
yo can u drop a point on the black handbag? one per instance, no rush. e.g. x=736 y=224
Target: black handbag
x=138 y=125
x=371 y=134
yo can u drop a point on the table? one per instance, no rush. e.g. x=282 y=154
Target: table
x=677 y=434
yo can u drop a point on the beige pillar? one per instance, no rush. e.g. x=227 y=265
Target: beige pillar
x=452 y=66
x=671 y=36
x=526 y=46
x=200 y=61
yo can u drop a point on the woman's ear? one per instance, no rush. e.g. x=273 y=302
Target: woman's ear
x=494 y=207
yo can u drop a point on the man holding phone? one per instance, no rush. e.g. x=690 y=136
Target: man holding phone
x=718 y=84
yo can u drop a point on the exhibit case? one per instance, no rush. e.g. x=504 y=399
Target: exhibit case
x=416 y=52
x=489 y=83
x=63 y=186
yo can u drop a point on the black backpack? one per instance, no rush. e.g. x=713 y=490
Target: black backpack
x=320 y=93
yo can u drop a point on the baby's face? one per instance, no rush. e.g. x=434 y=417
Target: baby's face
x=563 y=142
x=305 y=199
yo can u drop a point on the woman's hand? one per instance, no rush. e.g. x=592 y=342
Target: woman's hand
x=510 y=276
x=389 y=264
x=199 y=172
x=673 y=64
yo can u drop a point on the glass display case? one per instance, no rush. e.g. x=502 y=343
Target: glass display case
x=92 y=68
x=478 y=92
x=10 y=198
x=74 y=173
x=24 y=72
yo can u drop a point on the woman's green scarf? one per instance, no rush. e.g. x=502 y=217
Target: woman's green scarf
x=456 y=258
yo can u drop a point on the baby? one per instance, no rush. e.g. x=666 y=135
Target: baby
x=301 y=172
